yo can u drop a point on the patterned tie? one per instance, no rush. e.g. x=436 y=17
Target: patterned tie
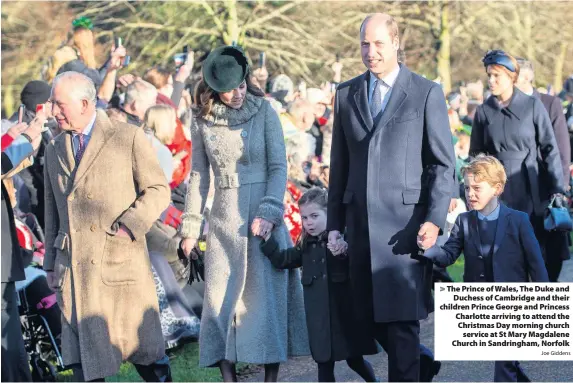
x=81 y=148
x=376 y=102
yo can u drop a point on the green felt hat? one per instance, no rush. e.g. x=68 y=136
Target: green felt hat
x=225 y=68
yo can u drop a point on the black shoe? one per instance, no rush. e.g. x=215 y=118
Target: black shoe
x=435 y=369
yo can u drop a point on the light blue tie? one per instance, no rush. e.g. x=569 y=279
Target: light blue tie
x=376 y=102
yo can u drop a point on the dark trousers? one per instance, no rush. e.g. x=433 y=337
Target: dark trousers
x=15 y=366
x=401 y=341
x=509 y=371
x=556 y=250
x=159 y=371
x=554 y=247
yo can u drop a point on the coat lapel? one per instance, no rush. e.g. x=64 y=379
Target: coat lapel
x=475 y=238
x=502 y=223
x=397 y=97
x=101 y=132
x=65 y=153
x=518 y=104
x=361 y=100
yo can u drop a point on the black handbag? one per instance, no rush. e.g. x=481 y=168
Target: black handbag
x=557 y=216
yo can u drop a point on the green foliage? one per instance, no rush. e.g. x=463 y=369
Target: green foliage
x=456 y=270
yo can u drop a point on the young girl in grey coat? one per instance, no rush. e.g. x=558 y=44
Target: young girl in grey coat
x=327 y=291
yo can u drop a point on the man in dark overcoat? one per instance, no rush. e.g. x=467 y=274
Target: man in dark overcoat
x=391 y=183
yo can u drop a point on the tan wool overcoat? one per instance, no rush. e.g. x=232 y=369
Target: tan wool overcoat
x=106 y=291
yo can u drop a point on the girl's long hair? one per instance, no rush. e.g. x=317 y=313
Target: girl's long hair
x=314 y=195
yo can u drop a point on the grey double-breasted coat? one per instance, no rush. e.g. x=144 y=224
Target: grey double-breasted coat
x=252 y=312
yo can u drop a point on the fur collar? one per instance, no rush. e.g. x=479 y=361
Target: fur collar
x=225 y=116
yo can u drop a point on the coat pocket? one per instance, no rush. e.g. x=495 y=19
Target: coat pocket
x=414 y=196
x=118 y=265
x=306 y=279
x=62 y=261
x=347 y=197
x=407 y=117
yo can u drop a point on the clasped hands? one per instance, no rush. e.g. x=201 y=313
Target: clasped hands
x=427 y=235
x=336 y=244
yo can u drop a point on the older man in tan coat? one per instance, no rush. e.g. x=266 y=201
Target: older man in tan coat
x=104 y=188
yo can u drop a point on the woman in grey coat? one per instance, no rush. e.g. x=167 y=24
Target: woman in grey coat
x=516 y=129
x=252 y=312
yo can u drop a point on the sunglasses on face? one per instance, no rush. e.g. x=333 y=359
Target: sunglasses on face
x=498 y=57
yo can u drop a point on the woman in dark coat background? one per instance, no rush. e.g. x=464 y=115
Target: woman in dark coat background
x=516 y=129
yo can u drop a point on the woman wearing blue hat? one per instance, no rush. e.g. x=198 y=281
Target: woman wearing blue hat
x=252 y=312
x=517 y=130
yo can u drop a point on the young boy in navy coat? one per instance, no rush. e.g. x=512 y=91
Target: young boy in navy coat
x=498 y=242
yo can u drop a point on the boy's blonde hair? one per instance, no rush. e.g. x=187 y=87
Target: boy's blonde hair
x=486 y=168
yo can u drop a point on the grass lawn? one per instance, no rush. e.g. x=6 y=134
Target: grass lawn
x=456 y=270
x=184 y=367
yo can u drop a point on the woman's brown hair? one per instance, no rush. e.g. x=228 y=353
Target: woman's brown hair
x=157 y=76
x=208 y=96
x=83 y=40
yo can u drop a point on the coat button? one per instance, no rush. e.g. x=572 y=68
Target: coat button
x=244 y=133
x=213 y=138
x=480 y=257
x=216 y=152
x=77 y=263
x=93 y=228
x=90 y=196
x=93 y=261
x=322 y=260
x=323 y=276
x=314 y=245
x=222 y=165
x=482 y=276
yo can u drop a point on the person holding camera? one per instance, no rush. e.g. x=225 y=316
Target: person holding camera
x=24 y=140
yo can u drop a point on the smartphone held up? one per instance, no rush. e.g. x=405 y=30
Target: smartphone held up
x=184 y=57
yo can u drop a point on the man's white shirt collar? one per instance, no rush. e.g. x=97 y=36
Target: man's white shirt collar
x=88 y=129
x=388 y=80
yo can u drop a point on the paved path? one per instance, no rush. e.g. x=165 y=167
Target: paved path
x=304 y=369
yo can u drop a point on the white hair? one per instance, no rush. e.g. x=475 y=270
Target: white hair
x=140 y=91
x=82 y=87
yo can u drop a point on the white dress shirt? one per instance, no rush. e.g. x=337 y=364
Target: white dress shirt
x=386 y=85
